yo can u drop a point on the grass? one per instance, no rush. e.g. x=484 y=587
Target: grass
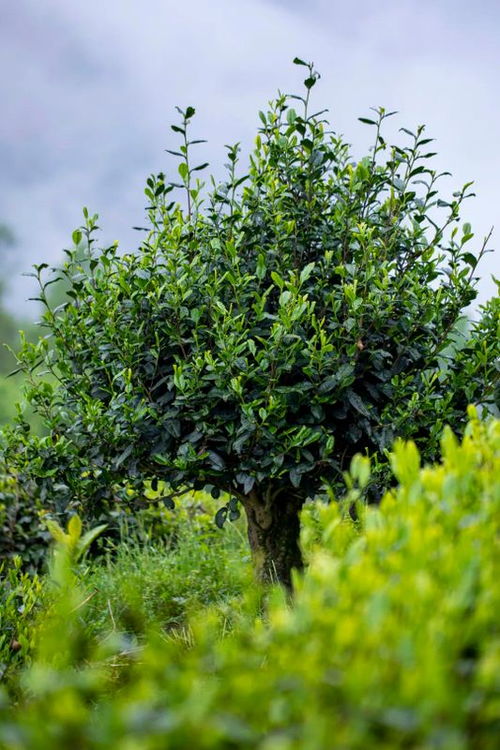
x=161 y=583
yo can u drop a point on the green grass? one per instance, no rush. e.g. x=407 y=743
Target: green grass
x=145 y=584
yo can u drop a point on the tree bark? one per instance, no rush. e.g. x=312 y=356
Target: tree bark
x=273 y=533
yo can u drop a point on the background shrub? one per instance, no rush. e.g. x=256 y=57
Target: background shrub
x=22 y=532
x=21 y=596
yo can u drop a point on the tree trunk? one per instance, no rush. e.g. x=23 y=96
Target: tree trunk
x=273 y=534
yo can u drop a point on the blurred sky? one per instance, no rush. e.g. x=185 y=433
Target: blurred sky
x=88 y=89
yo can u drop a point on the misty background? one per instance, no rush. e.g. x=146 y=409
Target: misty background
x=88 y=90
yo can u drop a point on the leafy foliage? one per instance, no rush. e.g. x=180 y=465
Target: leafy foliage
x=267 y=331
x=22 y=532
x=21 y=596
x=392 y=641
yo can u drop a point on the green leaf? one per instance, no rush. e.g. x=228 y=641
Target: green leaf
x=405 y=461
x=367 y=121
x=360 y=469
x=87 y=539
x=75 y=528
x=56 y=532
x=216 y=460
x=220 y=517
x=124 y=455
x=306 y=272
x=163 y=460
x=246 y=481
x=233 y=503
x=328 y=384
x=277 y=279
x=340 y=377
x=357 y=402
x=470 y=259
x=241 y=441
x=295 y=477
x=260 y=269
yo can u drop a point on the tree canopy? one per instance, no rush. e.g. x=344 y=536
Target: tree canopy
x=268 y=328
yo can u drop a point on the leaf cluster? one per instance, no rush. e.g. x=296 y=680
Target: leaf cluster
x=272 y=325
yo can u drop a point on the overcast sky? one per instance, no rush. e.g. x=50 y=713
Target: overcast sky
x=88 y=89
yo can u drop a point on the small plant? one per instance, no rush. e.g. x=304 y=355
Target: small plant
x=21 y=596
x=71 y=541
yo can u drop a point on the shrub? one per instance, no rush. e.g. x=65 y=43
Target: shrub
x=22 y=534
x=392 y=641
x=268 y=331
x=20 y=598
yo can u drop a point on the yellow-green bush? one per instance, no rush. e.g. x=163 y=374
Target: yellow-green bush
x=393 y=640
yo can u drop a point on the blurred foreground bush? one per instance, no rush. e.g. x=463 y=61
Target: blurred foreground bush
x=393 y=640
